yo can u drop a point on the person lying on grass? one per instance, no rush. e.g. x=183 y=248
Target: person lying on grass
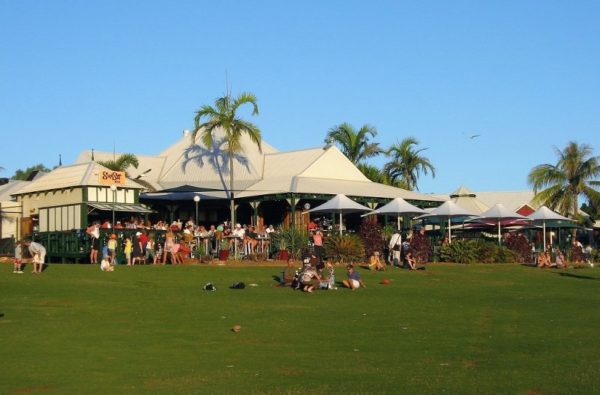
x=354 y=281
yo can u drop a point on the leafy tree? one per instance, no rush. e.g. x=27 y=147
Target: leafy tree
x=355 y=145
x=122 y=163
x=223 y=117
x=407 y=163
x=23 y=174
x=575 y=174
x=375 y=174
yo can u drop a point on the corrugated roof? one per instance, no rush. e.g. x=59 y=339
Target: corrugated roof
x=11 y=188
x=149 y=167
x=83 y=174
x=512 y=200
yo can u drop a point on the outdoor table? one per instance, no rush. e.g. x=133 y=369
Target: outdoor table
x=262 y=239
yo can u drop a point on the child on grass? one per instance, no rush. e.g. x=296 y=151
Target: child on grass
x=18 y=258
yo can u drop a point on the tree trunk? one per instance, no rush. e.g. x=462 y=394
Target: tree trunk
x=231 y=197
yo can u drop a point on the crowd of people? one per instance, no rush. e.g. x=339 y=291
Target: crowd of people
x=160 y=243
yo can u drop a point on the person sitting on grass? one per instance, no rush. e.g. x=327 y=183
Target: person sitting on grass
x=375 y=262
x=410 y=259
x=354 y=280
x=560 y=259
x=544 y=259
x=289 y=273
x=310 y=278
x=329 y=282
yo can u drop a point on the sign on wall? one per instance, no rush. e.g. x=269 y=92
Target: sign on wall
x=108 y=177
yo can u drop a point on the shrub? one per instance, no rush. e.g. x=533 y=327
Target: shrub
x=506 y=255
x=292 y=239
x=520 y=246
x=420 y=247
x=372 y=237
x=345 y=249
x=460 y=251
x=486 y=252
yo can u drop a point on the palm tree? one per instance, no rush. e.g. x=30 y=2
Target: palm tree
x=355 y=145
x=407 y=163
x=376 y=174
x=122 y=163
x=575 y=174
x=223 y=117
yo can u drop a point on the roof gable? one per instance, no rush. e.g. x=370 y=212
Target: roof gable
x=83 y=174
x=335 y=165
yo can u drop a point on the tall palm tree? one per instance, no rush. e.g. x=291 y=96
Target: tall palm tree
x=355 y=145
x=223 y=117
x=575 y=174
x=407 y=163
x=121 y=163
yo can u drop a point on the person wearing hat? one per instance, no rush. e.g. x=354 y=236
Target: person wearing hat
x=375 y=262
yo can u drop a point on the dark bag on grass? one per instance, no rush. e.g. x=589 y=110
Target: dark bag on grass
x=239 y=285
x=209 y=287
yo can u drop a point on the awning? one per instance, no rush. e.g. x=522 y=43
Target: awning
x=128 y=208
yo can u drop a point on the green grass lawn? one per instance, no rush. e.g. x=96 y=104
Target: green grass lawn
x=450 y=329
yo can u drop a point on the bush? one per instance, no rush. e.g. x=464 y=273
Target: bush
x=506 y=255
x=291 y=239
x=520 y=247
x=345 y=249
x=420 y=247
x=460 y=251
x=372 y=237
x=471 y=251
x=486 y=252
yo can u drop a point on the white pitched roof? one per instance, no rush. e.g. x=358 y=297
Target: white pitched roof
x=512 y=200
x=148 y=170
x=312 y=171
x=321 y=171
x=11 y=188
x=83 y=174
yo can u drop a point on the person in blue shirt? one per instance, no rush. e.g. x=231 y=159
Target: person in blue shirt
x=354 y=281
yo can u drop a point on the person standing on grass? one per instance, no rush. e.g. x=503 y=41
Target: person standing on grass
x=112 y=248
x=18 y=258
x=127 y=249
x=395 y=246
x=38 y=252
x=94 y=232
x=318 y=244
x=354 y=280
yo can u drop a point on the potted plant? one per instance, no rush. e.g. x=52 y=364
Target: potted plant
x=202 y=254
x=283 y=253
x=224 y=250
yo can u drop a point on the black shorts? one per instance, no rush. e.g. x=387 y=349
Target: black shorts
x=95 y=243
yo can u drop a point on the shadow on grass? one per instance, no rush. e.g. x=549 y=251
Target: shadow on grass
x=578 y=276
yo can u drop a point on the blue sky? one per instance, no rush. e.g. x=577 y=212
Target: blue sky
x=76 y=75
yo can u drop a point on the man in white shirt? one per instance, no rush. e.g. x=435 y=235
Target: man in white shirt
x=38 y=252
x=395 y=246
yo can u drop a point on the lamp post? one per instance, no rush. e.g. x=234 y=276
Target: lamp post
x=113 y=188
x=196 y=200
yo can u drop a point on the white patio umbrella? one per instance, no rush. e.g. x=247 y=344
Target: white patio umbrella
x=399 y=207
x=498 y=213
x=339 y=204
x=544 y=214
x=446 y=212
